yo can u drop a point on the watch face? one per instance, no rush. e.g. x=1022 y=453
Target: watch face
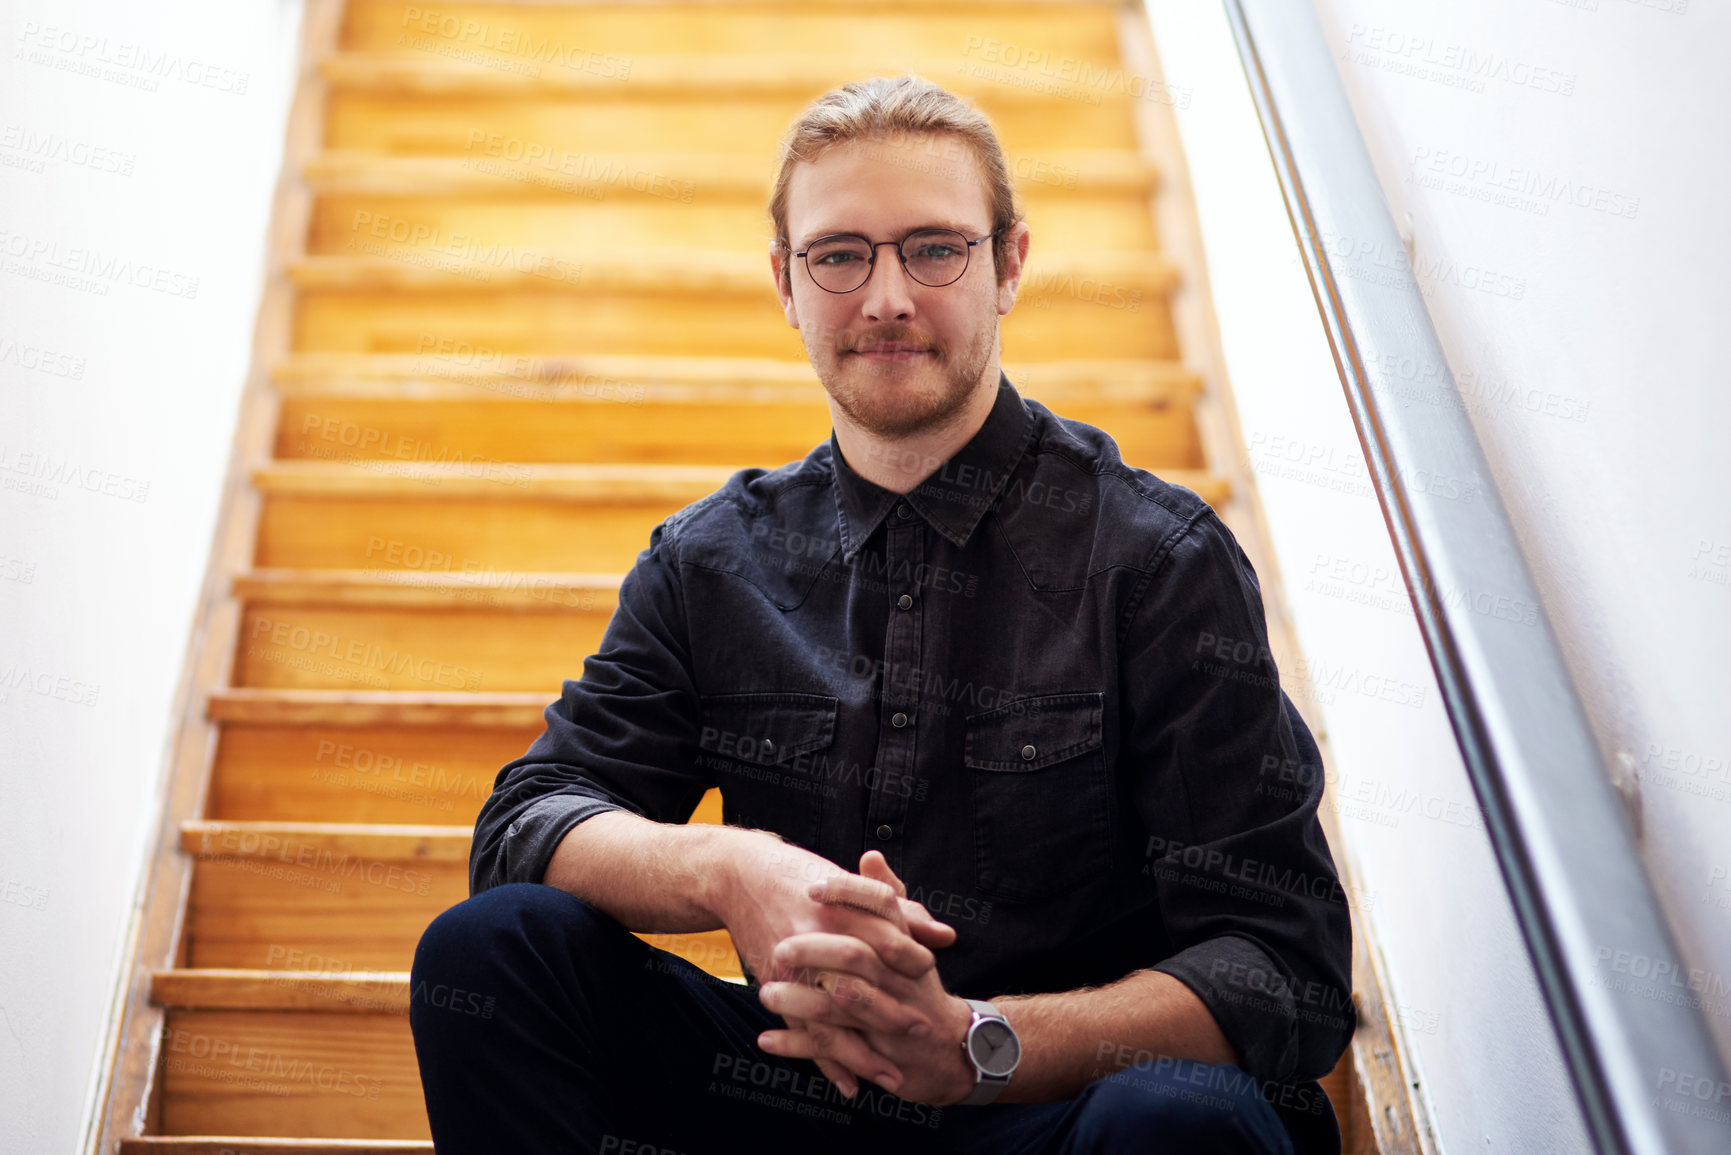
x=995 y=1048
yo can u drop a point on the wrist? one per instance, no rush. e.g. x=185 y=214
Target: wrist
x=958 y=1018
x=717 y=870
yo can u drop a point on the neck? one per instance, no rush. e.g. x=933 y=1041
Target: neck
x=901 y=463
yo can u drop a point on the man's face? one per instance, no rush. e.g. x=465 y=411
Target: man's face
x=897 y=357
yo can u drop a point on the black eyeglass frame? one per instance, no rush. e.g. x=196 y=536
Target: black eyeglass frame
x=872 y=264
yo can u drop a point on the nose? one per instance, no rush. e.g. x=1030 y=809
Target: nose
x=888 y=291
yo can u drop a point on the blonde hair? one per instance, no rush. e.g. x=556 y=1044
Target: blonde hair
x=885 y=108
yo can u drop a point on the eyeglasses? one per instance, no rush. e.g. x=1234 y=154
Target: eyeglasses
x=842 y=262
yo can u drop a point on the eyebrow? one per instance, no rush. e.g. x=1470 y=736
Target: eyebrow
x=965 y=230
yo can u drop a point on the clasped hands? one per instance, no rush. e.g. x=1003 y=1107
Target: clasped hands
x=853 y=975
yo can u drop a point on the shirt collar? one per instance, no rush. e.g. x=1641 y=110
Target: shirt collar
x=957 y=494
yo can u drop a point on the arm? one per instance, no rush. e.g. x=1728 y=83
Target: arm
x=1071 y=1038
x=1245 y=889
x=1227 y=780
x=622 y=739
x=655 y=878
x=665 y=879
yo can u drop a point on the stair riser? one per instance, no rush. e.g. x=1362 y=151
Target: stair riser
x=337 y=774
x=1076 y=318
x=497 y=434
x=533 y=32
x=374 y=648
x=274 y=1073
x=568 y=134
x=430 y=535
x=300 y=901
x=473 y=228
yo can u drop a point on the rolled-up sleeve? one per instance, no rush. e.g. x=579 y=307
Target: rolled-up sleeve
x=1226 y=779
x=623 y=737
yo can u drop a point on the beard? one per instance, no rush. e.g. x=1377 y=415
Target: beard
x=897 y=399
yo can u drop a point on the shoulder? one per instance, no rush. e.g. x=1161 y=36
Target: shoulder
x=1075 y=494
x=760 y=523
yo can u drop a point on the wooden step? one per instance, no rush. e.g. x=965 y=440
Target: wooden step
x=228 y=989
x=1073 y=321
x=450 y=372
x=266 y=1145
x=407 y=630
x=358 y=897
x=537 y=518
x=272 y=1050
x=796 y=77
x=881 y=36
x=352 y=708
x=608 y=121
x=416 y=421
x=342 y=848
x=290 y=1073
x=577 y=483
x=322 y=647
x=396 y=589
x=322 y=770
x=493 y=169
x=436 y=767
x=347 y=898
x=1126 y=282
x=631 y=241
x=508 y=517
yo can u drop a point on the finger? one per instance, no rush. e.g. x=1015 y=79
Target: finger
x=847 y=1048
x=924 y=927
x=872 y=895
x=839 y=1075
x=845 y=1001
x=833 y=1071
x=895 y=946
x=873 y=864
x=801 y=956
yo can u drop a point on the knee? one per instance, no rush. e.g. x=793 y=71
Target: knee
x=1180 y=1106
x=506 y=922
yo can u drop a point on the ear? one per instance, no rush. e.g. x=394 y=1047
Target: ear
x=780 y=263
x=1015 y=259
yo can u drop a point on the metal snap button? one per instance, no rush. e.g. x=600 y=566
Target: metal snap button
x=1028 y=753
x=884 y=832
x=905 y=602
x=904 y=512
x=899 y=721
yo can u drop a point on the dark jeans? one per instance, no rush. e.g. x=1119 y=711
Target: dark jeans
x=542 y=1025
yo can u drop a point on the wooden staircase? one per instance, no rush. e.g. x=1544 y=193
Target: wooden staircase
x=520 y=311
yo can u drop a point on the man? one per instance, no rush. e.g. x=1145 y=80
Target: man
x=1024 y=686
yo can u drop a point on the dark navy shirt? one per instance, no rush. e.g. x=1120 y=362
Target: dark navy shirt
x=1039 y=682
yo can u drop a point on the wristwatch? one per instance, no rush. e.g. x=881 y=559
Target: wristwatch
x=992 y=1050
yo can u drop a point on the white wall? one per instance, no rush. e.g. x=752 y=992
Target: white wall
x=1578 y=152
x=1476 y=1034
x=139 y=147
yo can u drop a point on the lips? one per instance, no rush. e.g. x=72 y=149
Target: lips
x=890 y=348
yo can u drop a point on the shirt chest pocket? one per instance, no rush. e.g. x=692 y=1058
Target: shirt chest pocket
x=1041 y=796
x=765 y=751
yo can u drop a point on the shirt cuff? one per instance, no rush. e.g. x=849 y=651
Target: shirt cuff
x=535 y=833
x=1253 y=1001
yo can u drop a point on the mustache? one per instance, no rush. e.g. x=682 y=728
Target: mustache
x=893 y=334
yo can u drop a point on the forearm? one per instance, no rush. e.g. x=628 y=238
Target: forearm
x=654 y=877
x=1071 y=1038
